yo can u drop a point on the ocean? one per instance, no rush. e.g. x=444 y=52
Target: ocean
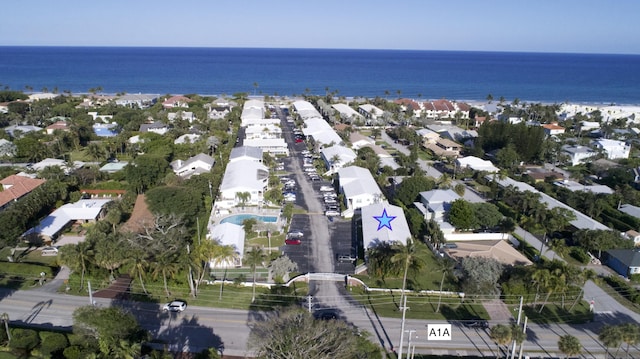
x=459 y=75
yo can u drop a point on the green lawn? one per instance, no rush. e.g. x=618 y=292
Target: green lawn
x=554 y=313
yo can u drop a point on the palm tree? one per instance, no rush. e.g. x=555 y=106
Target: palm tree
x=408 y=256
x=166 y=265
x=138 y=260
x=77 y=257
x=243 y=198
x=254 y=258
x=630 y=335
x=224 y=254
x=96 y=151
x=569 y=345
x=611 y=337
x=501 y=334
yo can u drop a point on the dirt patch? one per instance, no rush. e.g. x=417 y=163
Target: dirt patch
x=140 y=217
x=119 y=289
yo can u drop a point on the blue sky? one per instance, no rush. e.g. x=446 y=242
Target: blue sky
x=583 y=26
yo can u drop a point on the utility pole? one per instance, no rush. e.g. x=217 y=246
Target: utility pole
x=411 y=331
x=513 y=350
x=90 y=293
x=404 y=312
x=524 y=330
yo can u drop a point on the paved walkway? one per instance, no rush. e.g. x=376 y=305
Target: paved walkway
x=52 y=286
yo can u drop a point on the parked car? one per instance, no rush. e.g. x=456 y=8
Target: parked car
x=175 y=306
x=295 y=234
x=326 y=188
x=292 y=241
x=345 y=258
x=331 y=213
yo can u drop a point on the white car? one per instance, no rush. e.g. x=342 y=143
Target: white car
x=326 y=189
x=331 y=213
x=175 y=306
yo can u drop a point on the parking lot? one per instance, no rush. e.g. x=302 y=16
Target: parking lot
x=324 y=237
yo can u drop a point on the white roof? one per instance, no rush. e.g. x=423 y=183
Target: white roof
x=345 y=154
x=439 y=196
x=477 y=164
x=345 y=110
x=243 y=152
x=84 y=209
x=374 y=231
x=315 y=125
x=357 y=181
x=369 y=108
x=229 y=234
x=306 y=110
x=630 y=210
x=243 y=174
x=259 y=128
x=183 y=139
x=575 y=186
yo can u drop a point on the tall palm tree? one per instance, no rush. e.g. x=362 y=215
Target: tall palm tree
x=569 y=345
x=408 y=256
x=166 y=265
x=243 y=198
x=254 y=258
x=77 y=257
x=138 y=260
x=501 y=334
x=611 y=337
x=224 y=255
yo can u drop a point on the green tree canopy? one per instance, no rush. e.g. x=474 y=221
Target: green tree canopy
x=461 y=214
x=106 y=325
x=187 y=202
x=410 y=188
x=145 y=172
x=296 y=334
x=480 y=275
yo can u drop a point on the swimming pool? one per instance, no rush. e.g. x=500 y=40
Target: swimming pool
x=239 y=218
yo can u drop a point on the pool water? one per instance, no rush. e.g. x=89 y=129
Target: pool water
x=239 y=218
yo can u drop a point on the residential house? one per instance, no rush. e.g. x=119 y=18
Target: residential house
x=347 y=114
x=267 y=131
x=409 y=105
x=614 y=149
x=336 y=157
x=358 y=187
x=321 y=133
x=274 y=146
x=243 y=176
x=54 y=162
x=83 y=211
x=305 y=110
x=253 y=112
x=552 y=129
x=198 y=164
x=476 y=164
x=17 y=131
x=177 y=102
x=59 y=125
x=436 y=203
x=512 y=119
x=181 y=115
x=155 y=127
x=428 y=136
x=7 y=148
x=370 y=111
x=578 y=154
x=246 y=153
x=137 y=100
x=228 y=234
x=15 y=187
x=439 y=109
x=186 y=138
x=100 y=118
x=113 y=167
x=499 y=250
x=383 y=223
x=445 y=148
x=576 y=187
x=625 y=262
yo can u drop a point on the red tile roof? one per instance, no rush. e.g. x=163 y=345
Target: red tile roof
x=408 y=103
x=17 y=186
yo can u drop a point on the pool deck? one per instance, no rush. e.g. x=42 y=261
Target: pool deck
x=218 y=215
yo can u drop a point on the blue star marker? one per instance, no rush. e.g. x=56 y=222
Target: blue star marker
x=384 y=220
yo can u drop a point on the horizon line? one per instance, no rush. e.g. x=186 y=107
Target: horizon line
x=326 y=48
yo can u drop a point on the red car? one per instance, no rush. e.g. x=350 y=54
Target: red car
x=298 y=140
x=292 y=241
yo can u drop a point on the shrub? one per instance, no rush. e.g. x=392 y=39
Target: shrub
x=579 y=254
x=53 y=342
x=24 y=340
